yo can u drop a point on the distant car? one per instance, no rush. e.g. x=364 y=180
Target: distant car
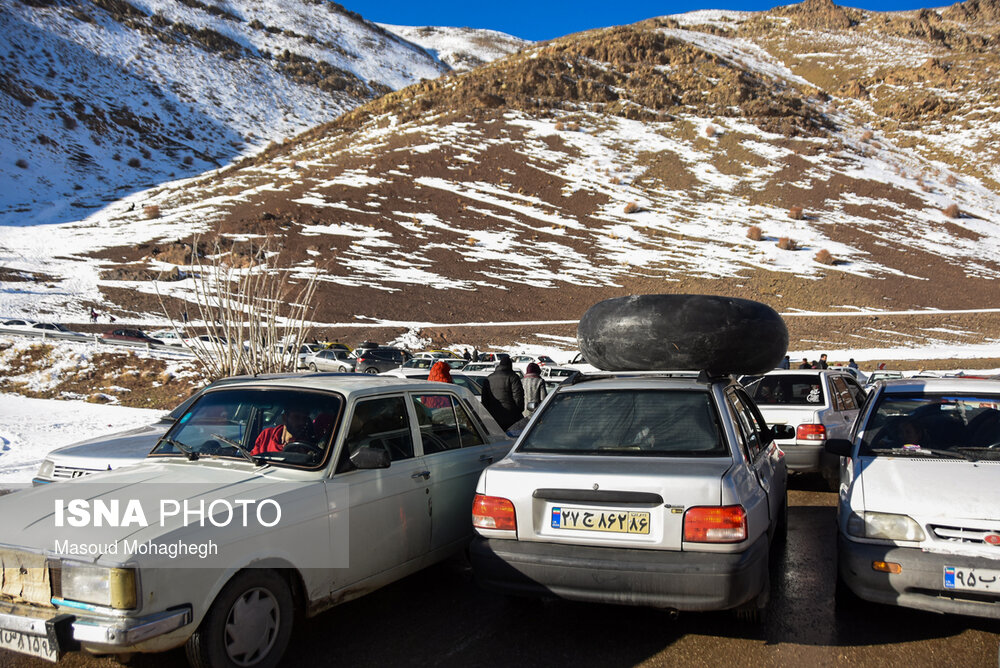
x=19 y=324
x=169 y=337
x=876 y=376
x=62 y=330
x=818 y=404
x=480 y=366
x=857 y=373
x=436 y=354
x=522 y=361
x=919 y=504
x=377 y=360
x=557 y=372
x=336 y=345
x=131 y=335
x=473 y=384
x=329 y=359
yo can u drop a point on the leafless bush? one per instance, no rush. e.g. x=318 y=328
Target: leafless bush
x=867 y=136
x=256 y=316
x=133 y=162
x=710 y=131
x=824 y=257
x=754 y=233
x=560 y=126
x=631 y=207
x=951 y=181
x=21 y=163
x=952 y=211
x=784 y=243
x=615 y=180
x=796 y=213
x=151 y=211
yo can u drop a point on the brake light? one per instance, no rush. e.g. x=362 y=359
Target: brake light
x=493 y=512
x=715 y=524
x=810 y=432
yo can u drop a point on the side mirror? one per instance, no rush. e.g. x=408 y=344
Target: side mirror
x=367 y=457
x=782 y=431
x=839 y=446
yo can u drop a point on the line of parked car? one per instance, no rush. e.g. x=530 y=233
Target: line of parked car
x=662 y=489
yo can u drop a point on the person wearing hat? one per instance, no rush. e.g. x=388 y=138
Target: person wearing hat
x=534 y=388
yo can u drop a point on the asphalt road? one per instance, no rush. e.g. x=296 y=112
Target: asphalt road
x=440 y=617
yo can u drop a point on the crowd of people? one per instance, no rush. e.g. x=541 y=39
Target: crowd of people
x=508 y=397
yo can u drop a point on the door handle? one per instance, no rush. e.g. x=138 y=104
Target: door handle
x=486 y=458
x=421 y=474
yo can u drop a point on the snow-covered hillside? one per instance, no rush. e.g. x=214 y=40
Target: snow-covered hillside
x=99 y=100
x=460 y=48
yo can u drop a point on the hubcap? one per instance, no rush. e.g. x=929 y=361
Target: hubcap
x=252 y=627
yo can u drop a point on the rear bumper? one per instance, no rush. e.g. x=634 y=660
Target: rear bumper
x=656 y=578
x=920 y=584
x=808 y=457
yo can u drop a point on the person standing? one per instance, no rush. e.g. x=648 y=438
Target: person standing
x=503 y=395
x=466 y=356
x=851 y=364
x=785 y=363
x=805 y=364
x=534 y=388
x=822 y=361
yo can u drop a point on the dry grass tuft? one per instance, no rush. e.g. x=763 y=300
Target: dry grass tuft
x=867 y=136
x=952 y=211
x=784 y=243
x=471 y=241
x=631 y=207
x=710 y=131
x=796 y=213
x=824 y=257
x=754 y=233
x=151 y=211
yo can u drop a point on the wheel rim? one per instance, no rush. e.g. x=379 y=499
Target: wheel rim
x=252 y=627
x=312 y=367
x=371 y=370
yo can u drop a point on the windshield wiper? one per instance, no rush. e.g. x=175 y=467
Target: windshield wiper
x=185 y=449
x=240 y=449
x=951 y=454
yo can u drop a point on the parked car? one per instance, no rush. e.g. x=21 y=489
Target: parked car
x=170 y=337
x=550 y=372
x=371 y=457
x=639 y=490
x=858 y=374
x=919 y=507
x=521 y=362
x=876 y=376
x=819 y=404
x=18 y=324
x=458 y=378
x=130 y=335
x=480 y=366
x=329 y=359
x=436 y=354
x=377 y=360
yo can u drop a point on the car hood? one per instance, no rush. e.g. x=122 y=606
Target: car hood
x=132 y=444
x=28 y=517
x=930 y=488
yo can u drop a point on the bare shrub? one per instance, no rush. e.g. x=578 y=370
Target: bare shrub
x=951 y=181
x=796 y=213
x=867 y=136
x=133 y=162
x=952 y=211
x=824 y=257
x=615 y=180
x=256 y=316
x=471 y=241
x=151 y=211
x=710 y=131
x=754 y=233
x=22 y=163
x=631 y=207
x=784 y=243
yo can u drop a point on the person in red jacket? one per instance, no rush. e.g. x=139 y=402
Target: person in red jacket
x=440 y=373
x=296 y=427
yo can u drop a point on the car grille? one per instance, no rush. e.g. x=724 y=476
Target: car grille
x=25 y=578
x=961 y=534
x=64 y=472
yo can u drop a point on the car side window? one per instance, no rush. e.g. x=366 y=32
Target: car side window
x=748 y=424
x=857 y=392
x=444 y=423
x=378 y=423
x=843 y=395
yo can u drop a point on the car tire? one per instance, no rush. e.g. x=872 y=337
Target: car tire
x=754 y=611
x=312 y=367
x=371 y=369
x=249 y=624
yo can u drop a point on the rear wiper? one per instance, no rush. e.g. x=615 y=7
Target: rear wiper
x=185 y=449
x=951 y=454
x=240 y=449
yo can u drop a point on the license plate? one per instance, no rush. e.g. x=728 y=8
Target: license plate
x=612 y=521
x=971 y=579
x=28 y=644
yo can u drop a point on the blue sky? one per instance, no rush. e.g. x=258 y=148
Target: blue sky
x=545 y=20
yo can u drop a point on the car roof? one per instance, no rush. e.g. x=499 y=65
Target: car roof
x=806 y=372
x=957 y=385
x=639 y=381
x=349 y=384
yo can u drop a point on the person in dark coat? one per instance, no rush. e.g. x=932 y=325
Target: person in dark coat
x=503 y=395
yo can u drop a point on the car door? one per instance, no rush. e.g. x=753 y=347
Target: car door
x=844 y=406
x=761 y=453
x=389 y=509
x=455 y=451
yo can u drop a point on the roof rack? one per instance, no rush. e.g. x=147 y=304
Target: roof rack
x=703 y=376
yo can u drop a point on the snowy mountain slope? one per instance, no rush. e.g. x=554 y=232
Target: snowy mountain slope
x=100 y=99
x=461 y=49
x=700 y=154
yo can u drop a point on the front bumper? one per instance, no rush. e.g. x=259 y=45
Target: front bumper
x=62 y=632
x=920 y=584
x=657 y=578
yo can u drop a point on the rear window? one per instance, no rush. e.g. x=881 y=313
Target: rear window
x=658 y=423
x=800 y=390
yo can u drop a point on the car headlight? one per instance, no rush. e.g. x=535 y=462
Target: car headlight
x=884 y=526
x=108 y=587
x=46 y=469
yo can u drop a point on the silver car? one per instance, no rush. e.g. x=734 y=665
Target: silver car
x=638 y=490
x=329 y=359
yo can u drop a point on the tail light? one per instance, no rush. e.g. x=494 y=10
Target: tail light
x=493 y=512
x=715 y=524
x=810 y=432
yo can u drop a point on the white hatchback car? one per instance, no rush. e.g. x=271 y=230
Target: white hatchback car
x=641 y=490
x=349 y=468
x=919 y=510
x=819 y=404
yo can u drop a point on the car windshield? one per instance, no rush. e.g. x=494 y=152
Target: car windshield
x=962 y=425
x=286 y=427
x=791 y=389
x=659 y=423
